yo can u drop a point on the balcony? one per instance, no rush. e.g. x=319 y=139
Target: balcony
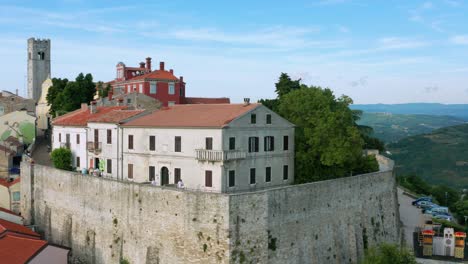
x=94 y=147
x=219 y=155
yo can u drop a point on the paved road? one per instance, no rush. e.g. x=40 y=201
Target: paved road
x=40 y=154
x=410 y=216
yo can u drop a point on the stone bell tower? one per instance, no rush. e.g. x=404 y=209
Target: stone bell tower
x=38 y=66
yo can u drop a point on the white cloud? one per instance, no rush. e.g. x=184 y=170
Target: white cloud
x=431 y=89
x=427 y=5
x=391 y=43
x=459 y=39
x=343 y=29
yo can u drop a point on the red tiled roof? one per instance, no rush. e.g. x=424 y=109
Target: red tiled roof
x=6 y=150
x=13 y=141
x=200 y=100
x=8 y=211
x=80 y=117
x=17 y=249
x=115 y=116
x=6 y=226
x=7 y=183
x=194 y=115
x=157 y=74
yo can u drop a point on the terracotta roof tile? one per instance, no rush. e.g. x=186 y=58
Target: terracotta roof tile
x=13 y=141
x=80 y=117
x=7 y=183
x=17 y=249
x=115 y=116
x=6 y=226
x=8 y=211
x=157 y=74
x=194 y=115
x=200 y=100
x=6 y=150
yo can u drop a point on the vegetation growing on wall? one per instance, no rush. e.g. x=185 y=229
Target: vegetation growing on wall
x=328 y=141
x=388 y=254
x=62 y=158
x=65 y=96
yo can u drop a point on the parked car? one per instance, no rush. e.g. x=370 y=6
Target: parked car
x=443 y=217
x=425 y=204
x=429 y=199
x=436 y=210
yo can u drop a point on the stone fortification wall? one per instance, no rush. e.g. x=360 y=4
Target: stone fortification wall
x=104 y=220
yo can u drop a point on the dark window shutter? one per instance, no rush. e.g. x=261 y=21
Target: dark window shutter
x=252 y=176
x=176 y=175
x=285 y=172
x=130 y=141
x=232 y=178
x=152 y=142
x=109 y=166
x=208 y=178
x=130 y=171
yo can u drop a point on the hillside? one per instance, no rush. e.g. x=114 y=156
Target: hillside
x=393 y=127
x=440 y=157
x=456 y=110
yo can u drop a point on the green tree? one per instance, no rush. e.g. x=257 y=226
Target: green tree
x=100 y=89
x=62 y=158
x=445 y=195
x=327 y=140
x=52 y=97
x=65 y=96
x=285 y=85
x=388 y=254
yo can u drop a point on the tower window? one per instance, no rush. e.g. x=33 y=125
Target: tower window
x=40 y=55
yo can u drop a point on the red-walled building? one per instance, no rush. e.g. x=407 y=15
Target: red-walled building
x=160 y=84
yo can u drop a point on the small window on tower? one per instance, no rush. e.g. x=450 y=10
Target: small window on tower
x=40 y=55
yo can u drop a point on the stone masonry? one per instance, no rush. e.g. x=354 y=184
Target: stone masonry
x=104 y=220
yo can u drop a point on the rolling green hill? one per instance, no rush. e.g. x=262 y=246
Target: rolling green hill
x=393 y=127
x=440 y=157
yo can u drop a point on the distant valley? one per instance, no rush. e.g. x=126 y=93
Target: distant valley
x=390 y=127
x=455 y=110
x=440 y=157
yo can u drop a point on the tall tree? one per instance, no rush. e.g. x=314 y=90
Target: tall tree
x=58 y=85
x=285 y=85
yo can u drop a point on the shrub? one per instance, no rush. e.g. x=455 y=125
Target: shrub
x=62 y=158
x=388 y=254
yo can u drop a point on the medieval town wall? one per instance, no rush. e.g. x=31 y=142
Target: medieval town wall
x=104 y=220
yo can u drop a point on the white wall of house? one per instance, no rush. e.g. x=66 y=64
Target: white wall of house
x=77 y=149
x=108 y=150
x=192 y=171
x=241 y=129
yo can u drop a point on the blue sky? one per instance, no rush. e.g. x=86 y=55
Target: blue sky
x=373 y=51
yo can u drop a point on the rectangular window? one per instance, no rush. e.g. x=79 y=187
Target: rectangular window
x=171 y=88
x=77 y=139
x=232 y=143
x=253 y=119
x=60 y=137
x=285 y=172
x=67 y=140
x=152 y=143
x=269 y=143
x=77 y=162
x=140 y=88
x=268 y=119
x=268 y=174
x=178 y=144
x=232 y=178
x=176 y=175
x=130 y=171
x=109 y=136
x=130 y=141
x=208 y=143
x=151 y=173
x=109 y=166
x=252 y=176
x=285 y=142
x=134 y=88
x=16 y=196
x=253 y=144
x=153 y=88
x=208 y=178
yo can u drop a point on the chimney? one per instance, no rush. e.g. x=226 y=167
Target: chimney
x=142 y=64
x=93 y=108
x=84 y=106
x=110 y=94
x=246 y=101
x=161 y=66
x=148 y=64
x=181 y=78
x=171 y=71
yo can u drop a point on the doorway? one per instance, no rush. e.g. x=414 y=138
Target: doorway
x=164 y=176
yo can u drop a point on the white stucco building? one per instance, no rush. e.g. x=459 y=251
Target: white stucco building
x=91 y=134
x=220 y=148
x=211 y=147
